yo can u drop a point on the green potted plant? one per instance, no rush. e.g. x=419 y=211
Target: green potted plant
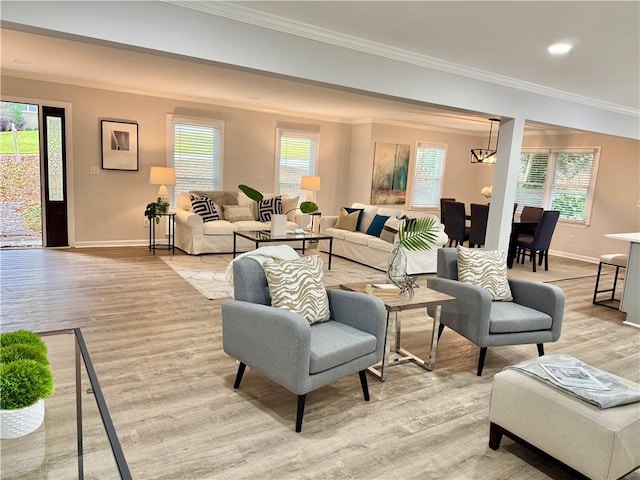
x=154 y=208
x=25 y=381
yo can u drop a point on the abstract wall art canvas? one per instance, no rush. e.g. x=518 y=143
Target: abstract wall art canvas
x=390 y=172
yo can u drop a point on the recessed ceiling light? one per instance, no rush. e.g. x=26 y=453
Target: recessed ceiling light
x=559 y=48
x=22 y=62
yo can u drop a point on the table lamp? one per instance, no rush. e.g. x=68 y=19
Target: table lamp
x=310 y=183
x=162 y=176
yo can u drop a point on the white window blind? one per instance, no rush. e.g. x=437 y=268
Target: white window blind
x=559 y=179
x=429 y=171
x=296 y=156
x=196 y=155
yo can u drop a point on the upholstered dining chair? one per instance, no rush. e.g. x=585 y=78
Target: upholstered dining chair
x=455 y=226
x=286 y=348
x=442 y=202
x=539 y=244
x=529 y=215
x=533 y=316
x=478 y=230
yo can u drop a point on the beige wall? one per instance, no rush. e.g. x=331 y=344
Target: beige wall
x=108 y=208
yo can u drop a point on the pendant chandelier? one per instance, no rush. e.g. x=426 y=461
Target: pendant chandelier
x=486 y=155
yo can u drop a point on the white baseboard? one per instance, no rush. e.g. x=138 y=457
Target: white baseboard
x=573 y=256
x=113 y=243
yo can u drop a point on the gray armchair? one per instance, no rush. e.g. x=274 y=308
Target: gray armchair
x=284 y=347
x=534 y=316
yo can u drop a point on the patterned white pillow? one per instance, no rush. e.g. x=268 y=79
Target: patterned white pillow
x=269 y=207
x=237 y=213
x=298 y=286
x=204 y=207
x=486 y=269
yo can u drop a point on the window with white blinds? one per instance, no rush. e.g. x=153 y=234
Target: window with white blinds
x=558 y=179
x=428 y=175
x=296 y=156
x=196 y=154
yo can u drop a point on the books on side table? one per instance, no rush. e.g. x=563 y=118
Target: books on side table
x=382 y=289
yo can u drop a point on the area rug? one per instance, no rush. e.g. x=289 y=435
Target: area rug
x=559 y=269
x=204 y=273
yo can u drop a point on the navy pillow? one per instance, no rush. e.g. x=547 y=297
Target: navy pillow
x=377 y=225
x=351 y=210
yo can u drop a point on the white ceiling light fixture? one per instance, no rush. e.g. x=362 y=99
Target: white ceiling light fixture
x=559 y=48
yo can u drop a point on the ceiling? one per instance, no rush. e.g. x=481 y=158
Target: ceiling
x=602 y=67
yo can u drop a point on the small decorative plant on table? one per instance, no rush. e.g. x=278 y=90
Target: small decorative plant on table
x=25 y=381
x=415 y=235
x=155 y=208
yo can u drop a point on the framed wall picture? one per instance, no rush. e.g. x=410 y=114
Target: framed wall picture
x=390 y=174
x=119 y=145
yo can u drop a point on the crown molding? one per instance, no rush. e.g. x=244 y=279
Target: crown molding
x=273 y=22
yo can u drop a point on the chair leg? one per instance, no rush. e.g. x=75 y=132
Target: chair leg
x=540 y=349
x=440 y=330
x=300 y=412
x=615 y=283
x=595 y=290
x=546 y=260
x=483 y=354
x=239 y=375
x=533 y=259
x=365 y=386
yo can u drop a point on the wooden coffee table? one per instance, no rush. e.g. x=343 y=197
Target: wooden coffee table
x=424 y=297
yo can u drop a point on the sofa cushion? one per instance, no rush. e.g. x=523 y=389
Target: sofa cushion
x=298 y=286
x=336 y=232
x=391 y=212
x=360 y=212
x=358 y=238
x=204 y=207
x=379 y=244
x=368 y=214
x=269 y=207
x=377 y=225
x=251 y=225
x=219 y=227
x=486 y=269
x=289 y=207
x=237 y=213
x=348 y=220
x=183 y=201
x=335 y=343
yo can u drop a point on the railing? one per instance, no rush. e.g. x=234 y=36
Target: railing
x=48 y=450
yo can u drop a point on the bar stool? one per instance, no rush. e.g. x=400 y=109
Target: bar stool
x=618 y=260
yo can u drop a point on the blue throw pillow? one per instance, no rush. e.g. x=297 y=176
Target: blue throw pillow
x=377 y=225
x=351 y=210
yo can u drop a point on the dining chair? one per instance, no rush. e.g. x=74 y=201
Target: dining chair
x=530 y=215
x=478 y=230
x=541 y=240
x=455 y=223
x=442 y=201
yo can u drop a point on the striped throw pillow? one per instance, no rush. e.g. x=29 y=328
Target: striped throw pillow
x=298 y=286
x=204 y=207
x=486 y=269
x=269 y=207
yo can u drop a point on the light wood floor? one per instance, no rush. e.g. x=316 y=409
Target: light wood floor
x=157 y=349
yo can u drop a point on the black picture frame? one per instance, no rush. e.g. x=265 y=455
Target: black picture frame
x=119 y=141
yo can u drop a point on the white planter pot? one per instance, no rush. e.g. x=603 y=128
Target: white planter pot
x=16 y=423
x=278 y=225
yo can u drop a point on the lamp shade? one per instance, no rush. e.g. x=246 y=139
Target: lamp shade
x=309 y=182
x=162 y=176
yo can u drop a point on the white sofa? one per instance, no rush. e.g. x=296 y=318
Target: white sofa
x=195 y=237
x=374 y=251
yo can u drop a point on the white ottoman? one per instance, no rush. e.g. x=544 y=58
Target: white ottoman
x=600 y=444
